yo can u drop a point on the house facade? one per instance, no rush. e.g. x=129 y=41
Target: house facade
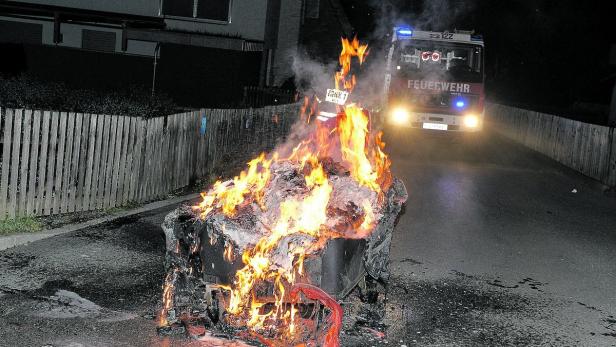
x=209 y=43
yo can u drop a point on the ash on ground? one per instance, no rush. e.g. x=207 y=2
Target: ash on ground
x=454 y=311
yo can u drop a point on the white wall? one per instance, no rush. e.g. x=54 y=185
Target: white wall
x=135 y=7
x=247 y=16
x=72 y=37
x=247 y=21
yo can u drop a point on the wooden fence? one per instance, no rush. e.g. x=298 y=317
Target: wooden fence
x=587 y=148
x=59 y=162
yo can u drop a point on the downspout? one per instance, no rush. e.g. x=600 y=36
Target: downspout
x=156 y=51
x=270 y=39
x=57 y=33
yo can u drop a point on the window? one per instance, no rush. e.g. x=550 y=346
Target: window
x=458 y=60
x=213 y=9
x=218 y=10
x=180 y=8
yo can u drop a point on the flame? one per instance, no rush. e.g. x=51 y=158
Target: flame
x=363 y=155
x=228 y=254
x=229 y=196
x=296 y=216
x=308 y=109
x=168 y=287
x=381 y=162
x=350 y=49
x=256 y=318
x=353 y=132
x=367 y=224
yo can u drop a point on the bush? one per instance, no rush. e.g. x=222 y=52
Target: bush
x=26 y=92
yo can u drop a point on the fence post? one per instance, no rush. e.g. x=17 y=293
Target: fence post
x=67 y=164
x=6 y=160
x=15 y=164
x=32 y=170
x=25 y=157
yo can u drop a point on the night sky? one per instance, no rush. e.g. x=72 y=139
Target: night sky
x=544 y=53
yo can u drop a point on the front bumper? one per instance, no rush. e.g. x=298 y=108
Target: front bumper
x=435 y=121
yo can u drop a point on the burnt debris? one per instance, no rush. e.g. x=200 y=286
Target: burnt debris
x=205 y=254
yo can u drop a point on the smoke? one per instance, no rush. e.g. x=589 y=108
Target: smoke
x=314 y=77
x=421 y=15
x=300 y=131
x=428 y=15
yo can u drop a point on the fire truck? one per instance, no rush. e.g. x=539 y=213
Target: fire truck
x=435 y=81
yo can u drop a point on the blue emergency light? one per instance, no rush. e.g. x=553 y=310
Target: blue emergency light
x=405 y=31
x=460 y=103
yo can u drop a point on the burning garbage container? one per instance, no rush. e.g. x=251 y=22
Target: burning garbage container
x=266 y=254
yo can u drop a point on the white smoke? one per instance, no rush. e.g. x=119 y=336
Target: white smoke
x=429 y=15
x=314 y=77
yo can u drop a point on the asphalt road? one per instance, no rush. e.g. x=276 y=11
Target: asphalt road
x=493 y=249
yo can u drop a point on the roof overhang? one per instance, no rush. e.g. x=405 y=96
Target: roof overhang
x=22 y=9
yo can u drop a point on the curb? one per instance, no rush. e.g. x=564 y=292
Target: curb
x=10 y=241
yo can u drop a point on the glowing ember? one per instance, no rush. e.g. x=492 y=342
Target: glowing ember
x=167 y=297
x=269 y=288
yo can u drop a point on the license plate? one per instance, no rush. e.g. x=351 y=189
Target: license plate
x=435 y=126
x=336 y=96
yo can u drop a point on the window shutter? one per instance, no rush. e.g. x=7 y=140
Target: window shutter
x=15 y=32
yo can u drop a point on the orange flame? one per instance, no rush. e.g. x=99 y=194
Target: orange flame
x=229 y=196
x=296 y=216
x=382 y=162
x=353 y=132
x=369 y=166
x=367 y=225
x=228 y=253
x=168 y=287
x=350 y=49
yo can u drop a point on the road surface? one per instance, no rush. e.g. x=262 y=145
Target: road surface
x=497 y=246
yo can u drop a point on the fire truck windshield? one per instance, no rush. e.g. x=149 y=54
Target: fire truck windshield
x=443 y=60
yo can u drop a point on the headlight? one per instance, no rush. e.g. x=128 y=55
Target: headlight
x=471 y=121
x=400 y=115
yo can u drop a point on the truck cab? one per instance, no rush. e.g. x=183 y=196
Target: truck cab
x=435 y=81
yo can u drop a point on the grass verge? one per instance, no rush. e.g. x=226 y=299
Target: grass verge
x=19 y=225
